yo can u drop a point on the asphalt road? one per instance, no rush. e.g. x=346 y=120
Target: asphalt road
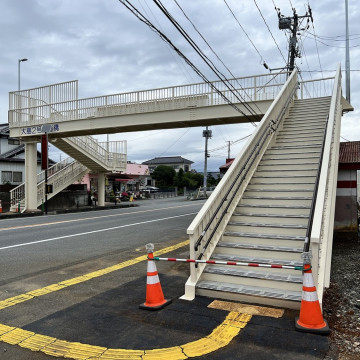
x=29 y=246
x=61 y=259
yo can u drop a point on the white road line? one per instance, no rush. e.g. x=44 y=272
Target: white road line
x=93 y=232
x=89 y=218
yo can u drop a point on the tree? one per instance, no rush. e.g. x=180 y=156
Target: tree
x=179 y=178
x=193 y=180
x=211 y=181
x=164 y=176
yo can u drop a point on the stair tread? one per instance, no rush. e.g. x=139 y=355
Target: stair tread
x=228 y=244
x=235 y=271
x=285 y=216
x=278 y=197
x=255 y=259
x=250 y=290
x=264 y=236
x=286 y=226
x=276 y=206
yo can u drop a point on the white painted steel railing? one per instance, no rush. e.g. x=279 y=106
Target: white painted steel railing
x=61 y=179
x=208 y=226
x=65 y=172
x=323 y=222
x=316 y=88
x=117 y=154
x=113 y=156
x=33 y=112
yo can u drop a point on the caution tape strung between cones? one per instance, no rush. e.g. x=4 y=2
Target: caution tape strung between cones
x=237 y=263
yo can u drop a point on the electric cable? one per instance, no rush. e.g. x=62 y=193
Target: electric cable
x=212 y=50
x=143 y=19
x=269 y=31
x=211 y=65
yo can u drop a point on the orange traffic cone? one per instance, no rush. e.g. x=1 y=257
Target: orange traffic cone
x=310 y=318
x=0 y=207
x=154 y=295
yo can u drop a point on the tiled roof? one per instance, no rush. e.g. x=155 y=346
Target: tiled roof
x=168 y=160
x=349 y=152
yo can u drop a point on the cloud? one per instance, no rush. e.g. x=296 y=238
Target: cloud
x=108 y=50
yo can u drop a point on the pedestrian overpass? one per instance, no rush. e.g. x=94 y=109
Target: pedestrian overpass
x=279 y=192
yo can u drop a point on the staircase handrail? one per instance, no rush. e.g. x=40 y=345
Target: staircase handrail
x=321 y=222
x=260 y=137
x=269 y=129
x=74 y=169
x=217 y=211
x=18 y=193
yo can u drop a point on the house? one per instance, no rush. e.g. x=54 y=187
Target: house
x=12 y=158
x=224 y=168
x=346 y=208
x=135 y=176
x=176 y=162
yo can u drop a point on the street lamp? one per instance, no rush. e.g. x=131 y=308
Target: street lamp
x=19 y=61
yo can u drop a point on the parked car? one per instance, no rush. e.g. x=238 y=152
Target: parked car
x=209 y=190
x=152 y=189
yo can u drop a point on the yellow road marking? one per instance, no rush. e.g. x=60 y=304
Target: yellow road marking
x=66 y=283
x=90 y=218
x=219 y=337
x=247 y=308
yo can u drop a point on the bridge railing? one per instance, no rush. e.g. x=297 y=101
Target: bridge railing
x=316 y=88
x=38 y=111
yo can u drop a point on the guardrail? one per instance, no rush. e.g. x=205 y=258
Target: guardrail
x=208 y=226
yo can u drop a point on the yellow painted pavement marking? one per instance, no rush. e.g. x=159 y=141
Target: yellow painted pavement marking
x=219 y=337
x=91 y=218
x=247 y=308
x=77 y=280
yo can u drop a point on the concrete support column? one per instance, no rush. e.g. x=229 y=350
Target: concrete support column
x=101 y=189
x=31 y=176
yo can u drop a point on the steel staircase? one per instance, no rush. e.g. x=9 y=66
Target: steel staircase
x=87 y=154
x=269 y=223
x=278 y=194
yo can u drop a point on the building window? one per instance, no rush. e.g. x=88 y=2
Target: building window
x=17 y=177
x=6 y=177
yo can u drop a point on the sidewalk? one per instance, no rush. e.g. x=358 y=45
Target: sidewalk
x=108 y=205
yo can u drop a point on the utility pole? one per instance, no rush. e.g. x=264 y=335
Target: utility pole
x=347 y=61
x=293 y=24
x=229 y=142
x=206 y=134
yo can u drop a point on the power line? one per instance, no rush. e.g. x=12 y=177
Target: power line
x=146 y=21
x=242 y=28
x=168 y=47
x=269 y=30
x=221 y=76
x=213 y=51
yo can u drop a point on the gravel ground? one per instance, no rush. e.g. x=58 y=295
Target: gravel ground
x=341 y=304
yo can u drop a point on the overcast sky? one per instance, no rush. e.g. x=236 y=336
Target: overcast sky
x=105 y=47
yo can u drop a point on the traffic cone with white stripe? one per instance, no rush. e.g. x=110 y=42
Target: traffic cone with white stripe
x=310 y=318
x=154 y=295
x=0 y=207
